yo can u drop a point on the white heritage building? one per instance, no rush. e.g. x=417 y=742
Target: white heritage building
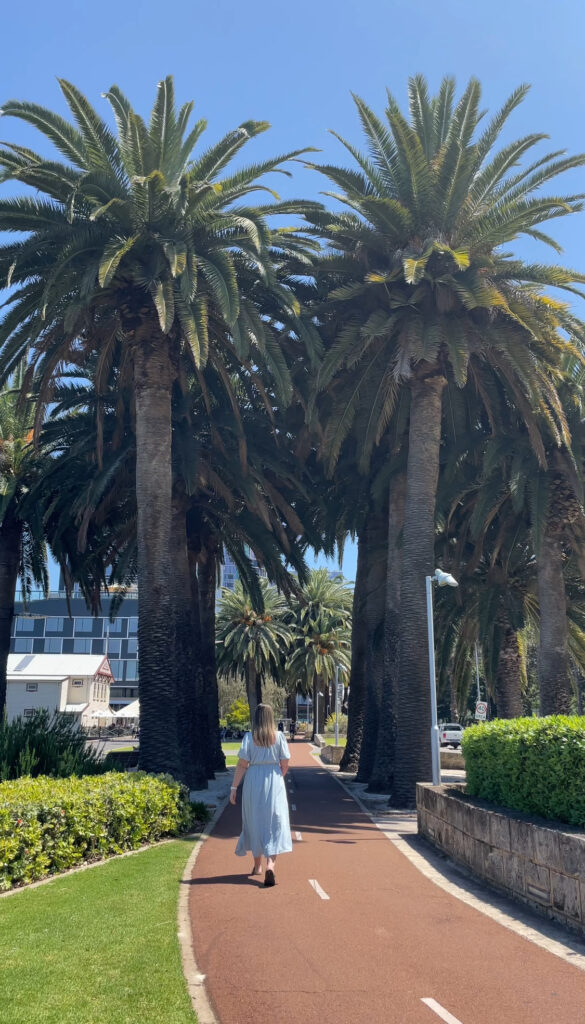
x=76 y=684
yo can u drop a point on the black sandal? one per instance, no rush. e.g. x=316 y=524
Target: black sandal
x=269 y=879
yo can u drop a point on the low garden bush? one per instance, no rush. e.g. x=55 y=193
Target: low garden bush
x=330 y=724
x=536 y=765
x=45 y=744
x=48 y=825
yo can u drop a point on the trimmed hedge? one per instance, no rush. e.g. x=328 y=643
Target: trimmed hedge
x=536 y=765
x=48 y=825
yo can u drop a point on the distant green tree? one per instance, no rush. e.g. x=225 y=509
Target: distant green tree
x=252 y=637
x=238 y=716
x=321 y=619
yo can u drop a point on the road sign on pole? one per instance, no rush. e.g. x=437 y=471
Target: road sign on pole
x=481 y=710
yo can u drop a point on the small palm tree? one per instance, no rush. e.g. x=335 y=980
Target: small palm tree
x=321 y=620
x=252 y=637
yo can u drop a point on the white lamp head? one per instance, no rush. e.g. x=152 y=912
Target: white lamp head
x=444 y=579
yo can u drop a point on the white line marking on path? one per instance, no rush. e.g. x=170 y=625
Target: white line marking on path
x=321 y=892
x=293 y=807
x=440 y=1011
x=298 y=837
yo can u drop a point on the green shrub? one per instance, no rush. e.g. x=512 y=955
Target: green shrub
x=536 y=765
x=45 y=744
x=330 y=724
x=49 y=825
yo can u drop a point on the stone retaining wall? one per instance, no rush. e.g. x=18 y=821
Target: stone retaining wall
x=452 y=759
x=331 y=754
x=535 y=863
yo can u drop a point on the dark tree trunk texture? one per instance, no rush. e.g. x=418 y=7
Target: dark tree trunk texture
x=356 y=703
x=554 y=678
x=253 y=689
x=318 y=703
x=382 y=775
x=187 y=648
x=207 y=574
x=413 y=743
x=159 y=750
x=10 y=541
x=377 y=547
x=509 y=676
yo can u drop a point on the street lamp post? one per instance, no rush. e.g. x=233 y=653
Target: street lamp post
x=444 y=579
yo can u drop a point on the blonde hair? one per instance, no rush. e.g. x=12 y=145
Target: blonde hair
x=263 y=731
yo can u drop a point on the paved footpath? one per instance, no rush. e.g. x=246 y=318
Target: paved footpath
x=353 y=932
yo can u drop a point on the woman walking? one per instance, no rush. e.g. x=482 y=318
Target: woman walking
x=263 y=763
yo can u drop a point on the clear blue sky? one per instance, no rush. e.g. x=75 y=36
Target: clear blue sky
x=295 y=63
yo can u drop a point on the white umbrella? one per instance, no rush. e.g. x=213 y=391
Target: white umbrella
x=130 y=711
x=102 y=713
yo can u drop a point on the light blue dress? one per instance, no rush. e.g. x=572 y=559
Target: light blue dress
x=265 y=819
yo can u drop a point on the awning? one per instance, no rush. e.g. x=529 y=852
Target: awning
x=75 y=709
x=130 y=711
x=102 y=713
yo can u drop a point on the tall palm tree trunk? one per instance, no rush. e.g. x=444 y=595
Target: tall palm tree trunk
x=413 y=745
x=556 y=692
x=207 y=575
x=187 y=654
x=377 y=546
x=253 y=688
x=383 y=769
x=317 y=702
x=158 y=722
x=357 y=681
x=10 y=541
x=509 y=677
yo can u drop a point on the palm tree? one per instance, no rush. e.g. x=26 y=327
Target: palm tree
x=22 y=538
x=321 y=621
x=252 y=637
x=431 y=294
x=131 y=241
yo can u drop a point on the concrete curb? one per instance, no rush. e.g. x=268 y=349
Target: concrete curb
x=195 y=980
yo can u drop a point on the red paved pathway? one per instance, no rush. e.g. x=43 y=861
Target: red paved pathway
x=386 y=938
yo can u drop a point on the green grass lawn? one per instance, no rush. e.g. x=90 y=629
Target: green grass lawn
x=231 y=752
x=330 y=740
x=99 y=946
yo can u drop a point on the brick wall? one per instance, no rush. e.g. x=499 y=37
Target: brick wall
x=537 y=864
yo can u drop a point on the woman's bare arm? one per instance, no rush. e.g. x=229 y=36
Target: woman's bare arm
x=241 y=769
x=284 y=765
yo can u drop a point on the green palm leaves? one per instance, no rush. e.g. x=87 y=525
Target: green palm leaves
x=130 y=223
x=322 y=630
x=248 y=630
x=418 y=273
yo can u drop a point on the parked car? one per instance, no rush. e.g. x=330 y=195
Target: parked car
x=450 y=734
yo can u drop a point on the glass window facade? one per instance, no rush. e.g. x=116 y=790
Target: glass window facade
x=24 y=625
x=22 y=646
x=81 y=645
x=49 y=626
x=84 y=625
